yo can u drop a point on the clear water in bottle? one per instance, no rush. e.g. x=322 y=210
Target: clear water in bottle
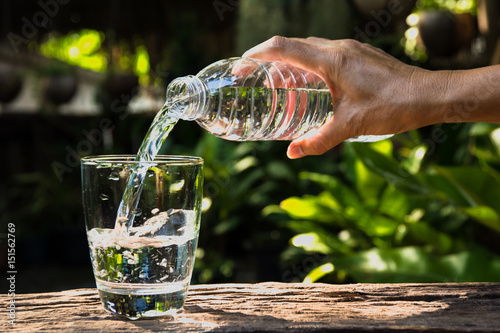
x=267 y=114
x=250 y=99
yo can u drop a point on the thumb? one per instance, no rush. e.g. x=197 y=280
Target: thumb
x=316 y=142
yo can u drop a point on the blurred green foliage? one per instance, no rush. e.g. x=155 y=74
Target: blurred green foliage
x=400 y=213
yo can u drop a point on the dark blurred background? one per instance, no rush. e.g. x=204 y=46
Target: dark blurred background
x=82 y=78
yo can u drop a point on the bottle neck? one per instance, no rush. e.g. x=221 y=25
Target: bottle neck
x=187 y=97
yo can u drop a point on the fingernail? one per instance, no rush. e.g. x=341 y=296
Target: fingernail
x=294 y=151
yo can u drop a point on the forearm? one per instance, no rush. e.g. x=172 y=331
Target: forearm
x=463 y=96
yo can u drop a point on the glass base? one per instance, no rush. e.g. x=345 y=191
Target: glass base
x=140 y=302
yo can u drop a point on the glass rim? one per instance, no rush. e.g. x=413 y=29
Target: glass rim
x=130 y=159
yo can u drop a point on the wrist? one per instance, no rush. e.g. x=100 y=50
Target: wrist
x=467 y=95
x=432 y=97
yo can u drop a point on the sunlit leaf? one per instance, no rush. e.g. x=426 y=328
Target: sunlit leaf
x=383 y=147
x=80 y=48
x=486 y=215
x=320 y=208
x=318 y=272
x=415 y=159
x=310 y=242
x=390 y=169
x=368 y=184
x=495 y=138
x=345 y=196
x=414 y=264
x=141 y=61
x=245 y=163
x=376 y=225
x=479 y=129
x=272 y=209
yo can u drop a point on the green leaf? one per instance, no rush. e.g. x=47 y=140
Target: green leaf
x=371 y=223
x=466 y=183
x=245 y=163
x=390 y=169
x=407 y=264
x=426 y=235
x=415 y=159
x=368 y=184
x=328 y=237
x=467 y=186
x=479 y=129
x=280 y=170
x=446 y=189
x=484 y=214
x=414 y=264
x=383 y=147
x=475 y=265
x=343 y=195
x=272 y=209
x=310 y=242
x=394 y=203
x=318 y=272
x=321 y=208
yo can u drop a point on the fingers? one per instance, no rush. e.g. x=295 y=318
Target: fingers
x=317 y=142
x=295 y=51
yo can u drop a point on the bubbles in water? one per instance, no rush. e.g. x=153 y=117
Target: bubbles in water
x=114 y=176
x=104 y=197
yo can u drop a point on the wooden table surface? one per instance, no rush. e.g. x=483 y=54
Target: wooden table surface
x=277 y=307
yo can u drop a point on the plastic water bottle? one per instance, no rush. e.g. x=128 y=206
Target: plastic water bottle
x=245 y=99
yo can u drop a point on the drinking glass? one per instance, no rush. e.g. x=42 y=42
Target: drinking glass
x=145 y=270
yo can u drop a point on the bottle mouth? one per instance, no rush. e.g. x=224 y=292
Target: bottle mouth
x=186 y=97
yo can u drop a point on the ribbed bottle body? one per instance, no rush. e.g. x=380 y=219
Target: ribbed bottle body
x=245 y=99
x=252 y=99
